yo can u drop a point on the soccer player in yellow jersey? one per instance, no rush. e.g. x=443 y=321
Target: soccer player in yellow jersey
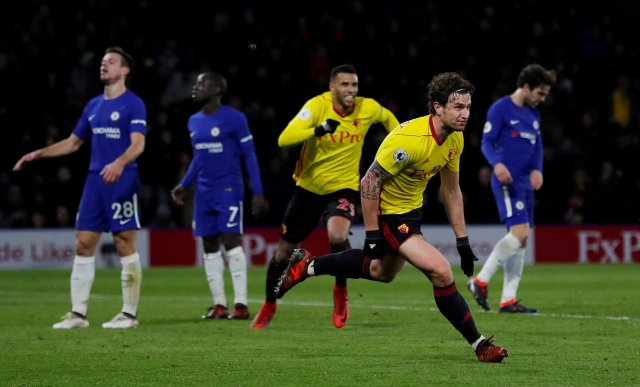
x=331 y=128
x=391 y=193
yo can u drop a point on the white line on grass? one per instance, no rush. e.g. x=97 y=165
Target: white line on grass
x=432 y=309
x=352 y=304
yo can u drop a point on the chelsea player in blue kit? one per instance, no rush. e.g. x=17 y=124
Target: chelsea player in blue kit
x=115 y=123
x=512 y=144
x=221 y=140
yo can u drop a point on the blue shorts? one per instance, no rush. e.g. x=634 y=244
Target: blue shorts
x=217 y=213
x=515 y=205
x=110 y=207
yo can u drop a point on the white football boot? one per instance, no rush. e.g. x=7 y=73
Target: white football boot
x=122 y=320
x=71 y=320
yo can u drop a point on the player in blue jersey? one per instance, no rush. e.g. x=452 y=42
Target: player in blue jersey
x=512 y=144
x=221 y=140
x=115 y=122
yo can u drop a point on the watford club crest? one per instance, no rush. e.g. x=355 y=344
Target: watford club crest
x=403 y=228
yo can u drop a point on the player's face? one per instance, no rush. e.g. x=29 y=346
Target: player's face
x=111 y=70
x=203 y=89
x=537 y=96
x=455 y=114
x=344 y=90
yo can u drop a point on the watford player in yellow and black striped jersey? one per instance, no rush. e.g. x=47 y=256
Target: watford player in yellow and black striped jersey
x=331 y=128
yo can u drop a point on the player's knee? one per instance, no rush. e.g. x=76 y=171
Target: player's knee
x=441 y=275
x=338 y=238
x=381 y=273
x=125 y=244
x=231 y=241
x=84 y=248
x=211 y=244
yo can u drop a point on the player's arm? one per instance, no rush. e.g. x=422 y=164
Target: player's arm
x=388 y=119
x=452 y=198
x=60 y=148
x=370 y=188
x=307 y=124
x=536 y=175
x=179 y=191
x=259 y=204
x=490 y=137
x=112 y=171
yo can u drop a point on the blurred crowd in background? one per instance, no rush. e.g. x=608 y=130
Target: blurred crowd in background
x=276 y=56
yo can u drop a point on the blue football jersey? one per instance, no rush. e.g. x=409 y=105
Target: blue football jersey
x=108 y=123
x=511 y=135
x=220 y=142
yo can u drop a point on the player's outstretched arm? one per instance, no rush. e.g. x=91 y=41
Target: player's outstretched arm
x=60 y=148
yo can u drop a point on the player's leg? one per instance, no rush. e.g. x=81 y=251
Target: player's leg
x=510 y=208
x=91 y=221
x=214 y=270
x=338 y=232
x=121 y=198
x=238 y=267
x=215 y=213
x=339 y=215
x=82 y=277
x=277 y=264
x=513 y=273
x=449 y=301
x=300 y=218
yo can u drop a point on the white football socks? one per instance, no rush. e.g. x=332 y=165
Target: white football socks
x=214 y=268
x=131 y=277
x=238 y=269
x=501 y=253
x=512 y=275
x=475 y=344
x=82 y=276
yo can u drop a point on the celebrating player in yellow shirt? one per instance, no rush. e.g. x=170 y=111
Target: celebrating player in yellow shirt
x=331 y=128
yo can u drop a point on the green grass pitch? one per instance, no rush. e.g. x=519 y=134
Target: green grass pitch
x=588 y=333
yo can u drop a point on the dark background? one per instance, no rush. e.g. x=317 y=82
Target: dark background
x=275 y=56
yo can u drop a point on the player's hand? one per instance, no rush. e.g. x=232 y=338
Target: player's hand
x=467 y=257
x=31 y=156
x=502 y=174
x=374 y=245
x=177 y=194
x=329 y=126
x=112 y=171
x=536 y=179
x=259 y=206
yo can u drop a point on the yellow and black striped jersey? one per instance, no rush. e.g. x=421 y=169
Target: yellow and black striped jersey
x=413 y=153
x=331 y=162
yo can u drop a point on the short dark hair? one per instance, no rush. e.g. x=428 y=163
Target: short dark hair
x=443 y=85
x=343 y=68
x=127 y=59
x=217 y=80
x=535 y=75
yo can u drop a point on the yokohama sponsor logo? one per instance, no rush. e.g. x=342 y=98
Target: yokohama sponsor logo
x=212 y=147
x=108 y=132
x=604 y=244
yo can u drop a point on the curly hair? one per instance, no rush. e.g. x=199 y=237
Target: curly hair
x=445 y=84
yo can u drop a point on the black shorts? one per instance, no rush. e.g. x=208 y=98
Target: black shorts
x=305 y=209
x=398 y=228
